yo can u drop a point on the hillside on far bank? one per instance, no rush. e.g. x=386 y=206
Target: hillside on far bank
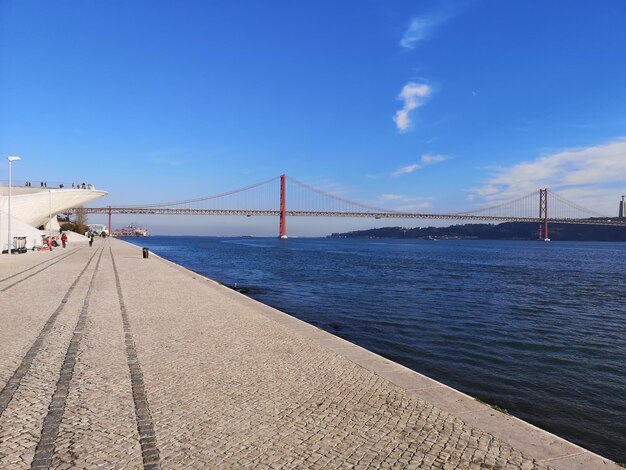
x=503 y=231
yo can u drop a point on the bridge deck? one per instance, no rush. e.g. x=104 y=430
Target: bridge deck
x=111 y=360
x=618 y=222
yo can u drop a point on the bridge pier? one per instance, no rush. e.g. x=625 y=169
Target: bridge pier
x=282 y=230
x=543 y=214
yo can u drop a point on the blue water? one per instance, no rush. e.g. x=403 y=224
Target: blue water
x=536 y=328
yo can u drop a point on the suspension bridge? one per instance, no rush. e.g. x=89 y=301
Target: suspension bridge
x=269 y=198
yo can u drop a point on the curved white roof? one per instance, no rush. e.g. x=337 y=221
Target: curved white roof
x=34 y=206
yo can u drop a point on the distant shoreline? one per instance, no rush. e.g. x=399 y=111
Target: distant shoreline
x=503 y=231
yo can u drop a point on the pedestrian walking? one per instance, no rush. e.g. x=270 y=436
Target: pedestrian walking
x=90 y=239
x=63 y=239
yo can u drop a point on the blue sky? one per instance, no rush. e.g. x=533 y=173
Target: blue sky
x=422 y=105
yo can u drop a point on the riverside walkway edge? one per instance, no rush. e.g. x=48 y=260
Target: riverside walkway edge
x=171 y=369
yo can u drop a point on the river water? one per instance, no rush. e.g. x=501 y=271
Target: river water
x=536 y=328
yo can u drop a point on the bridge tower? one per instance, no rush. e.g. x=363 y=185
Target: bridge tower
x=282 y=231
x=543 y=214
x=622 y=208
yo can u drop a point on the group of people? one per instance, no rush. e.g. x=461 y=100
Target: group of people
x=53 y=241
x=44 y=184
x=92 y=235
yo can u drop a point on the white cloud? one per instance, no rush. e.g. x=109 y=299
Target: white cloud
x=414 y=95
x=410 y=207
x=419 y=202
x=421 y=27
x=405 y=170
x=591 y=176
x=397 y=197
x=425 y=160
x=487 y=190
x=428 y=159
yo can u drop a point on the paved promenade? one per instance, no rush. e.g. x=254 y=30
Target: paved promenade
x=108 y=360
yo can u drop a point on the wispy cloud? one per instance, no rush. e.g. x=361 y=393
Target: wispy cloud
x=412 y=207
x=486 y=190
x=413 y=95
x=425 y=160
x=584 y=174
x=428 y=159
x=405 y=170
x=419 y=202
x=396 y=197
x=390 y=197
x=421 y=27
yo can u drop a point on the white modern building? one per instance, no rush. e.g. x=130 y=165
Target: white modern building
x=32 y=207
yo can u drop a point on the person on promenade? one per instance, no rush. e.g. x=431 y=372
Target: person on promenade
x=90 y=239
x=63 y=239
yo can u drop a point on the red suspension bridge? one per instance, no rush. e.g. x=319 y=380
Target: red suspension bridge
x=269 y=198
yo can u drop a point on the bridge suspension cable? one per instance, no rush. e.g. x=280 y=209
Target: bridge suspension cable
x=208 y=198
x=326 y=201
x=525 y=206
x=568 y=209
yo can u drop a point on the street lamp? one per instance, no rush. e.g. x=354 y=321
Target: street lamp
x=11 y=160
x=50 y=217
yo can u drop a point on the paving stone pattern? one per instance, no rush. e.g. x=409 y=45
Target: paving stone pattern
x=195 y=377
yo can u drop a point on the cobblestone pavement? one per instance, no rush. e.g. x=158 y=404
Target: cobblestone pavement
x=195 y=378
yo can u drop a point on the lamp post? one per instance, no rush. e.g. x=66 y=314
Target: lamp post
x=50 y=217
x=11 y=160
